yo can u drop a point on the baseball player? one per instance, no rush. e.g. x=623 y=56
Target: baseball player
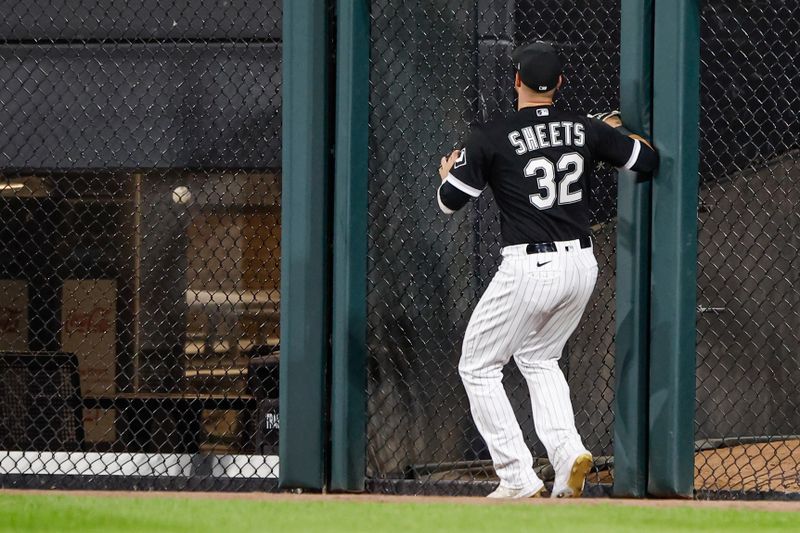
x=538 y=162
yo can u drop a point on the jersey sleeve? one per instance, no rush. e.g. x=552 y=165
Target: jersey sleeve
x=612 y=146
x=469 y=175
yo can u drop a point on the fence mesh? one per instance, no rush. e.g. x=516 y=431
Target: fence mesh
x=140 y=223
x=748 y=326
x=139 y=241
x=436 y=67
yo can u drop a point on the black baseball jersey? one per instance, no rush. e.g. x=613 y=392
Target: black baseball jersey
x=539 y=163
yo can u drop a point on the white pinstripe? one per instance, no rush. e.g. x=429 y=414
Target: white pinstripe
x=527 y=312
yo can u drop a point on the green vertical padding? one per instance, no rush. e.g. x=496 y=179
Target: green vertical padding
x=676 y=90
x=633 y=259
x=349 y=357
x=304 y=246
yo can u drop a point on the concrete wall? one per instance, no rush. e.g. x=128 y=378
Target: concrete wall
x=139 y=84
x=748 y=322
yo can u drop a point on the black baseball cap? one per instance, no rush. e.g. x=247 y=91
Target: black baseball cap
x=539 y=65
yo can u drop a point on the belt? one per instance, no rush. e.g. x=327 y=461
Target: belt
x=545 y=247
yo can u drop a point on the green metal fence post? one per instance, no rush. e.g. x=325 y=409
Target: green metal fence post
x=633 y=259
x=305 y=260
x=676 y=104
x=349 y=359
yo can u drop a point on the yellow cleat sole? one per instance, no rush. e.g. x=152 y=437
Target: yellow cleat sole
x=577 y=476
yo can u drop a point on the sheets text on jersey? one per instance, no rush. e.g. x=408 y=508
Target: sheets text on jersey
x=551 y=134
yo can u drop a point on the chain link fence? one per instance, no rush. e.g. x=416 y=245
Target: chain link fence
x=436 y=67
x=140 y=223
x=139 y=243
x=748 y=326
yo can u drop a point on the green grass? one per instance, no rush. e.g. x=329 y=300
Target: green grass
x=27 y=513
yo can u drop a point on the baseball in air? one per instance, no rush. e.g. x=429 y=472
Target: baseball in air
x=181 y=195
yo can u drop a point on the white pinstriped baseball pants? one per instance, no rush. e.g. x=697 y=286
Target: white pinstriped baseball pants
x=528 y=312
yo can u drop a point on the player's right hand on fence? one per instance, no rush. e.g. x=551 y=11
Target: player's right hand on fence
x=447 y=162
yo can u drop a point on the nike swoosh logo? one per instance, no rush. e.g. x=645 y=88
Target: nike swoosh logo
x=543 y=264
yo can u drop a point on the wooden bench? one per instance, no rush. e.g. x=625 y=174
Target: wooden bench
x=140 y=427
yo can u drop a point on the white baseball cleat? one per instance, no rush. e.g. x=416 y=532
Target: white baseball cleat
x=569 y=483
x=516 y=494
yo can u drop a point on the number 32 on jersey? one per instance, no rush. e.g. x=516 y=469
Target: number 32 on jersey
x=570 y=165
